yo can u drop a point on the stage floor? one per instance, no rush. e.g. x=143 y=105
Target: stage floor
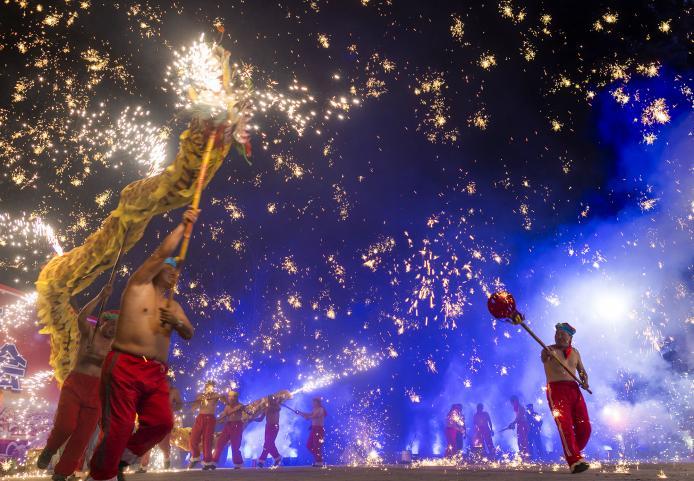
x=632 y=472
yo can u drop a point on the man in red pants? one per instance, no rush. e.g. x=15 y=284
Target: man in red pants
x=78 y=408
x=133 y=378
x=203 y=429
x=483 y=432
x=272 y=427
x=522 y=427
x=317 y=437
x=232 y=433
x=455 y=424
x=565 y=398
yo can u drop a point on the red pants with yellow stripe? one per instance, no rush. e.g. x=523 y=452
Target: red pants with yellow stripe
x=571 y=415
x=75 y=420
x=130 y=385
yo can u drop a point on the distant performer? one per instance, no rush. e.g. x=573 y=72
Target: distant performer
x=565 y=398
x=133 y=378
x=537 y=449
x=483 y=432
x=203 y=429
x=522 y=427
x=78 y=410
x=316 y=438
x=232 y=433
x=272 y=427
x=455 y=428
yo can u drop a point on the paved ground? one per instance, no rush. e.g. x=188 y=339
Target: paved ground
x=631 y=472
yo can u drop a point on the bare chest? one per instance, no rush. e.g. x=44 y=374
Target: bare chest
x=141 y=305
x=93 y=351
x=571 y=362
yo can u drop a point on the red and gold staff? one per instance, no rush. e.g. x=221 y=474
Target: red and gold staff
x=565 y=398
x=133 y=378
x=316 y=438
x=455 y=424
x=78 y=408
x=272 y=427
x=203 y=429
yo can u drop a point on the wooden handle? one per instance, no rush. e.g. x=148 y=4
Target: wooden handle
x=195 y=204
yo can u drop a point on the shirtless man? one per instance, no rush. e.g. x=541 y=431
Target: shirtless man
x=133 y=378
x=565 y=398
x=203 y=429
x=317 y=437
x=165 y=444
x=483 y=431
x=272 y=427
x=232 y=433
x=78 y=408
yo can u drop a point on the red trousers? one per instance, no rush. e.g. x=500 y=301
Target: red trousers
x=269 y=447
x=203 y=430
x=316 y=438
x=77 y=416
x=571 y=415
x=451 y=441
x=130 y=385
x=232 y=433
x=523 y=432
x=483 y=438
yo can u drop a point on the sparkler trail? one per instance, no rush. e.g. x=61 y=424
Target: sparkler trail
x=354 y=360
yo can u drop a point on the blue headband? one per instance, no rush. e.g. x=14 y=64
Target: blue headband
x=171 y=261
x=566 y=327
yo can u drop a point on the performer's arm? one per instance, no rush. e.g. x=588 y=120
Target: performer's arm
x=222 y=417
x=175 y=316
x=546 y=354
x=153 y=265
x=582 y=373
x=87 y=310
x=230 y=410
x=315 y=414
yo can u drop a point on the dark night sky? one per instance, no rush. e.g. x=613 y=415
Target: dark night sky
x=536 y=190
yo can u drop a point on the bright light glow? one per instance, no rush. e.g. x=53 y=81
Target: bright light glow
x=611 y=304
